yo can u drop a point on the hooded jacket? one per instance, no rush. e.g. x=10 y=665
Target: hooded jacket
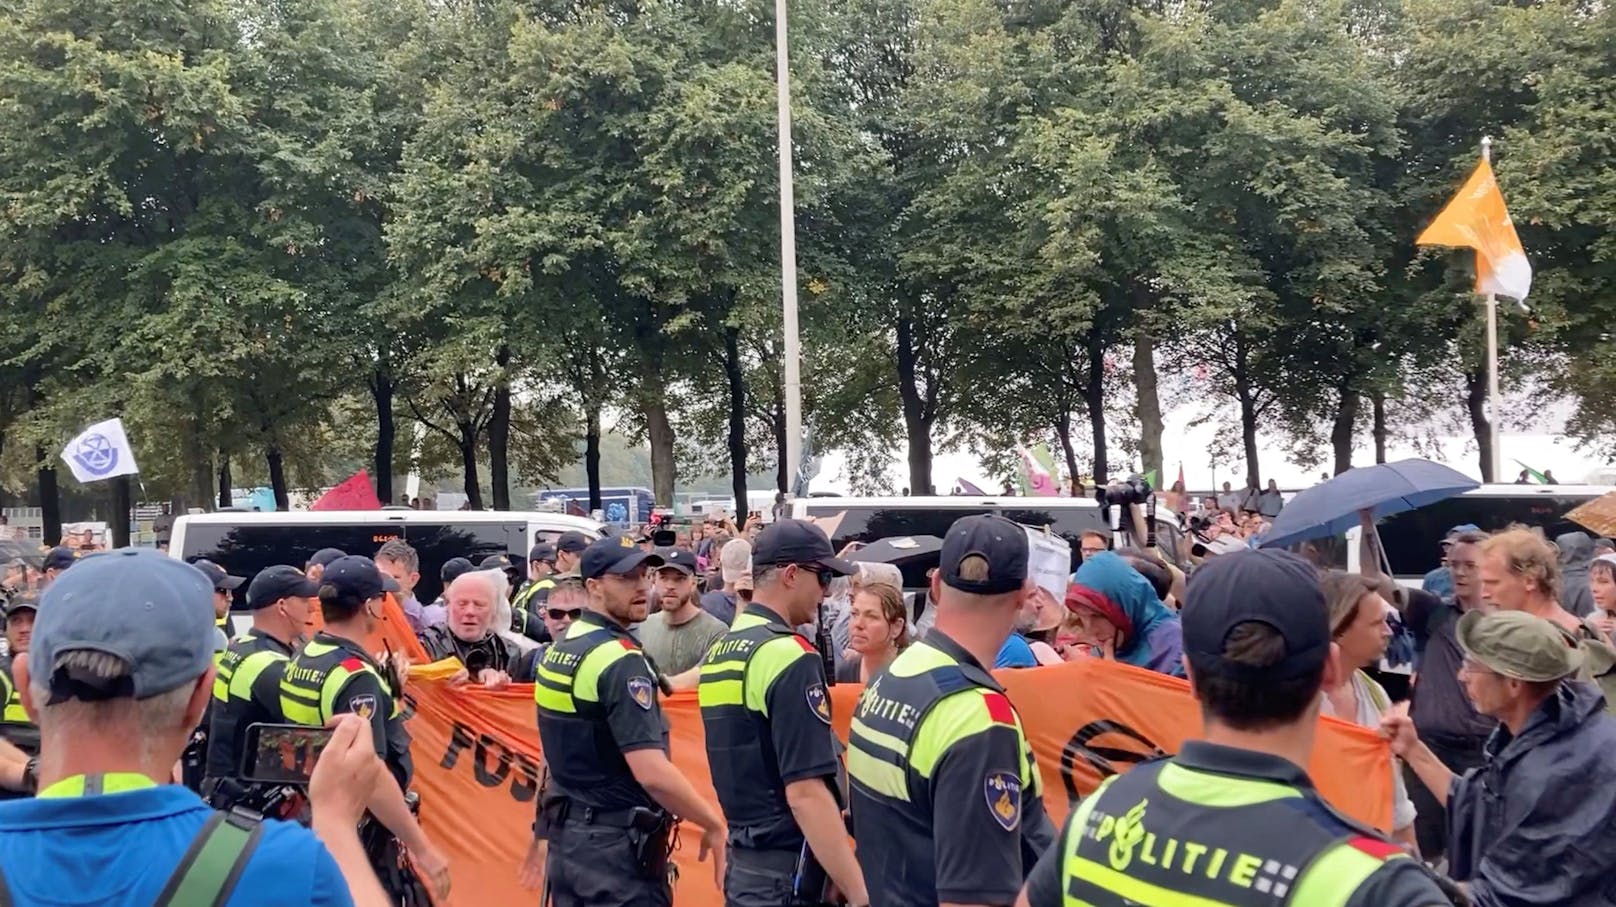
x=1532 y=825
x=1151 y=636
x=1576 y=553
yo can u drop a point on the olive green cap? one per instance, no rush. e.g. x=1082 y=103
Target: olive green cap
x=1519 y=645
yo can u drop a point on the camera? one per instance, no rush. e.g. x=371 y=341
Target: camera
x=1132 y=490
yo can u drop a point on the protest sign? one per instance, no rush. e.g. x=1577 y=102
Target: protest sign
x=1049 y=561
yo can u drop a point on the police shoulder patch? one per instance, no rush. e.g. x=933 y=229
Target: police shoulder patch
x=363 y=706
x=1003 y=793
x=641 y=691
x=819 y=702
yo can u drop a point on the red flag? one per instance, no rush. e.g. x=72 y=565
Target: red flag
x=354 y=493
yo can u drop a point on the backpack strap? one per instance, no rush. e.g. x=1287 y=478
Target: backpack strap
x=208 y=872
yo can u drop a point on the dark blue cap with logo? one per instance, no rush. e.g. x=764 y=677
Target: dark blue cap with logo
x=275 y=583
x=354 y=576
x=1267 y=585
x=615 y=555
x=151 y=611
x=786 y=542
x=678 y=559
x=1000 y=542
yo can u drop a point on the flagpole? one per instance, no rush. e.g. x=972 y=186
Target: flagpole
x=788 y=255
x=1495 y=411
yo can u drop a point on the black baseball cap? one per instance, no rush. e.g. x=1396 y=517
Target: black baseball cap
x=542 y=552
x=354 y=575
x=59 y=558
x=218 y=577
x=20 y=603
x=1268 y=585
x=1001 y=542
x=797 y=542
x=325 y=556
x=275 y=583
x=499 y=562
x=454 y=568
x=678 y=559
x=615 y=555
x=572 y=542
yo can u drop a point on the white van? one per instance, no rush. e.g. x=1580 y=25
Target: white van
x=1412 y=539
x=244 y=543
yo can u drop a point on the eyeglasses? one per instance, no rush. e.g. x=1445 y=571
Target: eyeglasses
x=558 y=613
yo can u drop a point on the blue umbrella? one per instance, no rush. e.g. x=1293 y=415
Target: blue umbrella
x=1331 y=508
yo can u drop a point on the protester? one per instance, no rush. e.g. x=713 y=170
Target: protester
x=735 y=564
x=678 y=636
x=1358 y=627
x=1576 y=552
x=124 y=654
x=1092 y=542
x=877 y=632
x=1042 y=638
x=1120 y=613
x=1257 y=639
x=1439 y=582
x=398 y=560
x=487 y=658
x=437 y=613
x=1602 y=587
x=1604 y=546
x=317 y=564
x=1532 y=825
x=1271 y=501
x=56 y=562
x=224 y=590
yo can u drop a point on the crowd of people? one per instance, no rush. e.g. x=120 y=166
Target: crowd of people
x=120 y=680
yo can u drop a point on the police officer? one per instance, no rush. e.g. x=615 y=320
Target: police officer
x=775 y=760
x=333 y=674
x=526 y=605
x=224 y=591
x=569 y=549
x=247 y=687
x=607 y=811
x=946 y=800
x=1233 y=819
x=16 y=728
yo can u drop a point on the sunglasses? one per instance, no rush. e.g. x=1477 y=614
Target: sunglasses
x=558 y=613
x=824 y=576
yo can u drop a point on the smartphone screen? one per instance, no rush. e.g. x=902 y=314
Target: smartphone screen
x=282 y=753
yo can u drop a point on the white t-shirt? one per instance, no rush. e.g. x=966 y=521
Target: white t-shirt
x=1372 y=703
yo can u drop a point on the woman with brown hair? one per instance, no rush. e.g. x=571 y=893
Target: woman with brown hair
x=877 y=631
x=1359 y=628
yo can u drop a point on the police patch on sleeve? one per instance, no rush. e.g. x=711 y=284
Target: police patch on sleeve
x=363 y=706
x=1003 y=792
x=819 y=702
x=639 y=690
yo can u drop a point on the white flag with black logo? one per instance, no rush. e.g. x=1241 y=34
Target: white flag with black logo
x=100 y=452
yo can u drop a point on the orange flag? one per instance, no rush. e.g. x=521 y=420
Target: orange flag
x=1477 y=219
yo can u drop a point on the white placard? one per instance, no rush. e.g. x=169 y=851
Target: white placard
x=1049 y=561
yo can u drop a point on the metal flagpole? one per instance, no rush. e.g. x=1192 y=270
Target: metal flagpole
x=788 y=252
x=1495 y=411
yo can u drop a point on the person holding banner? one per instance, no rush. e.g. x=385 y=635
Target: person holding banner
x=947 y=802
x=1233 y=819
x=608 y=811
x=773 y=756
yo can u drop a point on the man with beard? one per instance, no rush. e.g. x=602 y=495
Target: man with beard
x=490 y=659
x=678 y=636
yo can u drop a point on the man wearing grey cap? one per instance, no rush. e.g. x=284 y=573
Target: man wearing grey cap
x=118 y=672
x=1533 y=824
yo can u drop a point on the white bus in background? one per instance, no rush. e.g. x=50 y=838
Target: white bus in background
x=1412 y=539
x=244 y=543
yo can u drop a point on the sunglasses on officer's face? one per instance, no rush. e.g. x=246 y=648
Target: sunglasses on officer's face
x=558 y=613
x=824 y=576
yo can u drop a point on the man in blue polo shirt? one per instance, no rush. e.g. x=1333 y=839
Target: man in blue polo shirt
x=118 y=672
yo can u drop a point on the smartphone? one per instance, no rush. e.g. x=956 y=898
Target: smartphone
x=282 y=753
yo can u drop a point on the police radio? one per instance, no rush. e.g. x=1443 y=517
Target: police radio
x=822 y=641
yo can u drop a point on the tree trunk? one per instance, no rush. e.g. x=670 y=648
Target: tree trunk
x=1063 y=431
x=1248 y=437
x=1379 y=400
x=737 y=416
x=1094 y=397
x=468 y=465
x=277 y=477
x=499 y=433
x=1476 y=403
x=50 y=502
x=122 y=504
x=1148 y=411
x=592 y=456
x=915 y=428
x=1346 y=415
x=381 y=391
x=226 y=499
x=659 y=431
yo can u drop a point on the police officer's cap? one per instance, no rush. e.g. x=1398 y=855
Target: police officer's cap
x=454 y=568
x=572 y=542
x=615 y=555
x=216 y=575
x=355 y=577
x=542 y=552
x=1000 y=542
x=1266 y=585
x=148 y=609
x=325 y=556
x=678 y=559
x=59 y=558
x=785 y=542
x=275 y=583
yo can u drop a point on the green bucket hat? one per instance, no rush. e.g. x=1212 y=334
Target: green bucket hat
x=1519 y=645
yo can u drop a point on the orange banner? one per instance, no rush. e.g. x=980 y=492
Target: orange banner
x=477 y=760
